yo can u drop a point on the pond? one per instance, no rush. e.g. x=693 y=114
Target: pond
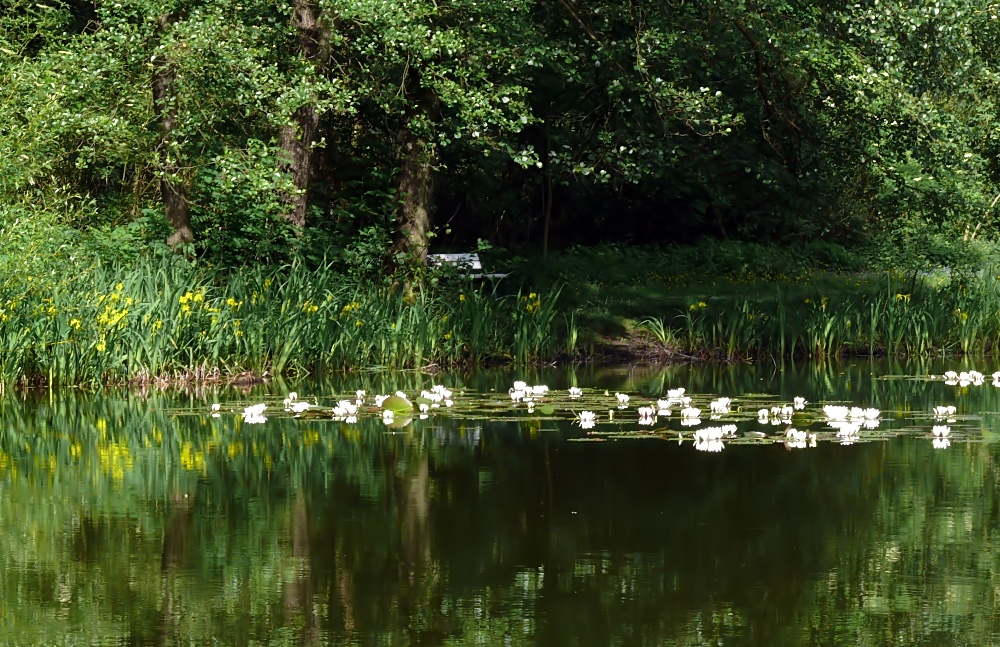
x=142 y=518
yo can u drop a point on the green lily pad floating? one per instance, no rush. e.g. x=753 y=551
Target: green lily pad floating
x=397 y=405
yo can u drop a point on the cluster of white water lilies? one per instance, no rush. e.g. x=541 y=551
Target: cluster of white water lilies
x=293 y=404
x=844 y=423
x=776 y=415
x=521 y=392
x=969 y=378
x=848 y=421
x=795 y=439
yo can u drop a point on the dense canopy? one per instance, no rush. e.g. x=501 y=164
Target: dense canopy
x=360 y=130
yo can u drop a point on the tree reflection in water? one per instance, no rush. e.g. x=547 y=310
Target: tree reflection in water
x=125 y=520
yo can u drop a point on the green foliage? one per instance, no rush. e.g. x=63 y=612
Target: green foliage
x=169 y=318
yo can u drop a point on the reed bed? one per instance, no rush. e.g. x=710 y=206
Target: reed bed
x=170 y=320
x=903 y=318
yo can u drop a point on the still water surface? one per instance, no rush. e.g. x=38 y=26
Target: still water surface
x=138 y=518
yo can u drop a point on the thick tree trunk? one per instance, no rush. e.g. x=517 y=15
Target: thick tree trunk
x=172 y=186
x=296 y=141
x=416 y=191
x=298 y=137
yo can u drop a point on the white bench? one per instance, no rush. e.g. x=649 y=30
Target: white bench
x=469 y=263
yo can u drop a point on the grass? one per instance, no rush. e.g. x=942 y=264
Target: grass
x=73 y=323
x=157 y=320
x=769 y=310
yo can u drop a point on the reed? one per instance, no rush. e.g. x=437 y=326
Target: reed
x=102 y=324
x=960 y=316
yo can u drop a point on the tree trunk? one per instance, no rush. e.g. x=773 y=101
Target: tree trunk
x=172 y=186
x=416 y=190
x=298 y=137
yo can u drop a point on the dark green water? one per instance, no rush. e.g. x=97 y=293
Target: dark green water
x=138 y=518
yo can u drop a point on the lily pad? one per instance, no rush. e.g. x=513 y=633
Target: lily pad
x=397 y=405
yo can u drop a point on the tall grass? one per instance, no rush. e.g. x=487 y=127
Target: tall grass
x=106 y=324
x=960 y=316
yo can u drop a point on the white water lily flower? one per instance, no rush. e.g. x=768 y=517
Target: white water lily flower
x=424 y=407
x=360 y=394
x=388 y=415
x=293 y=396
x=943 y=412
x=709 y=445
x=586 y=419
x=950 y=375
x=254 y=414
x=520 y=386
x=834 y=412
x=787 y=412
x=400 y=394
x=762 y=416
x=870 y=413
x=216 y=406
x=622 y=398
x=345 y=408
x=690 y=422
x=940 y=443
x=646 y=412
x=441 y=390
x=720 y=405
x=690 y=412
x=255 y=410
x=856 y=413
x=299 y=407
x=871 y=423
x=709 y=433
x=575 y=392
x=729 y=430
x=798 y=403
x=812 y=440
x=794 y=434
x=516 y=395
x=379 y=399
x=540 y=389
x=795 y=439
x=448 y=403
x=675 y=394
x=940 y=431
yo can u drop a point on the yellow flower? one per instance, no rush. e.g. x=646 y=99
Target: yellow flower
x=75 y=324
x=157 y=325
x=359 y=323
x=903 y=297
x=101 y=347
x=461 y=297
x=447 y=335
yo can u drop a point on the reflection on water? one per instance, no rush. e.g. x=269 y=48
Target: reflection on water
x=140 y=519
